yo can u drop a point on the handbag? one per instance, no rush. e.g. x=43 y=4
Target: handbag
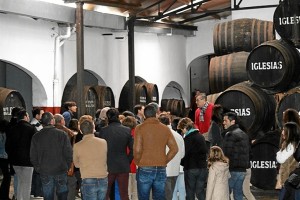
x=294 y=179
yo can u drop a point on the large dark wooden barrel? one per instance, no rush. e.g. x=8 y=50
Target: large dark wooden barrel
x=212 y=97
x=152 y=92
x=140 y=94
x=174 y=106
x=8 y=100
x=263 y=162
x=255 y=108
x=286 y=20
x=241 y=35
x=227 y=70
x=105 y=96
x=291 y=99
x=274 y=65
x=90 y=98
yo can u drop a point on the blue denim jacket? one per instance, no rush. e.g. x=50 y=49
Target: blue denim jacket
x=3 y=154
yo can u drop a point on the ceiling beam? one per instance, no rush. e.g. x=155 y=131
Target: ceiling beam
x=164 y=25
x=175 y=12
x=206 y=14
x=109 y=3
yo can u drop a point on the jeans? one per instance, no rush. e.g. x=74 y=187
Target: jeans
x=179 y=187
x=4 y=188
x=72 y=183
x=151 y=178
x=94 y=188
x=36 y=185
x=195 y=182
x=56 y=183
x=236 y=184
x=24 y=175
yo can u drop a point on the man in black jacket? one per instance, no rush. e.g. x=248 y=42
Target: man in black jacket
x=18 y=148
x=51 y=155
x=236 y=148
x=119 y=139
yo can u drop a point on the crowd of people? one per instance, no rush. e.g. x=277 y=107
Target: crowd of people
x=144 y=154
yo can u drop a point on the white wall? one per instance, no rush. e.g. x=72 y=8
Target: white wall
x=202 y=43
x=29 y=43
x=262 y=13
x=158 y=59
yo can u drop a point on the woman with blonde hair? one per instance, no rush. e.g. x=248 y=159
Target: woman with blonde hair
x=218 y=175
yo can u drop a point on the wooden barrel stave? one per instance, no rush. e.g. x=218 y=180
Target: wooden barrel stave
x=241 y=35
x=227 y=70
x=9 y=99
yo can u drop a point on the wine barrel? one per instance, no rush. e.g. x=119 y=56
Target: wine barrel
x=140 y=94
x=286 y=20
x=212 y=97
x=105 y=96
x=227 y=70
x=274 y=66
x=174 y=106
x=241 y=35
x=263 y=161
x=152 y=92
x=90 y=98
x=255 y=108
x=8 y=100
x=291 y=99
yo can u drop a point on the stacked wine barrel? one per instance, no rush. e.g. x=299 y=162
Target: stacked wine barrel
x=97 y=96
x=233 y=41
x=144 y=94
x=273 y=68
x=287 y=24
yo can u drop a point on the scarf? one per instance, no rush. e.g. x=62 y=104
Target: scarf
x=189 y=132
x=202 y=111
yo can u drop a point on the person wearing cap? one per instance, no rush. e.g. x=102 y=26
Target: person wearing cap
x=51 y=156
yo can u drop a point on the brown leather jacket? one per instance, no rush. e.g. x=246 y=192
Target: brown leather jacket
x=150 y=142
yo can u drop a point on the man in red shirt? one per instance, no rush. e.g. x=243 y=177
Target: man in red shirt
x=203 y=113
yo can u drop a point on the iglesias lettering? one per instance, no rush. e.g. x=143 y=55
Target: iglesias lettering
x=266 y=65
x=242 y=111
x=289 y=20
x=263 y=164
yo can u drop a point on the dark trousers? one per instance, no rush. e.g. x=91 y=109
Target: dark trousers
x=4 y=188
x=36 y=185
x=169 y=187
x=122 y=179
x=195 y=183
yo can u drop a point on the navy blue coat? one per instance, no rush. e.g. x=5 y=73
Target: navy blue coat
x=119 y=139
